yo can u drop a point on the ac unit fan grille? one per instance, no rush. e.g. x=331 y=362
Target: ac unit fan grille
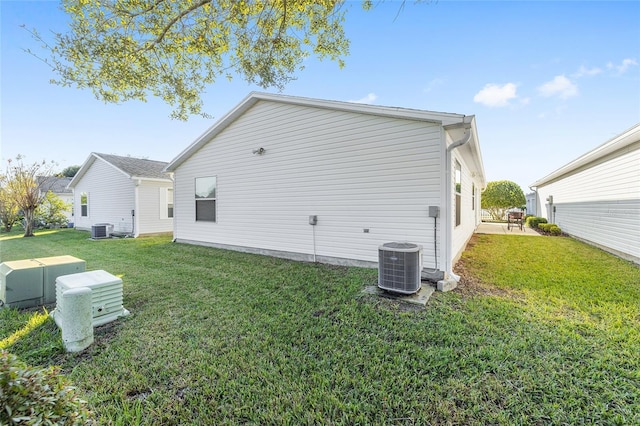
x=400 y=267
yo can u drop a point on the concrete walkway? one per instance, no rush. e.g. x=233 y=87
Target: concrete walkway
x=501 y=228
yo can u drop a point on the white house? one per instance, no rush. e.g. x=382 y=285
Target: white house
x=367 y=175
x=59 y=186
x=132 y=194
x=596 y=197
x=531 y=203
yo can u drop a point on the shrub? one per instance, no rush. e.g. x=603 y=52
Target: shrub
x=30 y=396
x=534 y=221
x=550 y=228
x=544 y=226
x=555 y=230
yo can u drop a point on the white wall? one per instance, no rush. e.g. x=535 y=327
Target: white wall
x=600 y=202
x=111 y=198
x=470 y=217
x=354 y=171
x=151 y=210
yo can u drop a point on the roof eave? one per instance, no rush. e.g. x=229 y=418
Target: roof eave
x=626 y=138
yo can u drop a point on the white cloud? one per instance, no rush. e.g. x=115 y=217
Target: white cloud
x=560 y=86
x=626 y=64
x=584 y=71
x=495 y=95
x=369 y=99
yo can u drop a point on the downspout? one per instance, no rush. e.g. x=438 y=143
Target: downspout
x=135 y=214
x=449 y=228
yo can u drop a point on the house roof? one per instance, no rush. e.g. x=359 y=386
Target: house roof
x=445 y=119
x=622 y=141
x=57 y=185
x=133 y=168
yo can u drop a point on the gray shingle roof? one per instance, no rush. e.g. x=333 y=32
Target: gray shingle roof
x=137 y=167
x=57 y=185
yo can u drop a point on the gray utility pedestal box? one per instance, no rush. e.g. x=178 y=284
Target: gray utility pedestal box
x=32 y=282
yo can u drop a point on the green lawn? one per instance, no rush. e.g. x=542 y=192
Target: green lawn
x=540 y=331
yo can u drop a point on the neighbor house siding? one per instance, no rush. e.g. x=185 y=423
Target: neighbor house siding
x=111 y=198
x=151 y=202
x=599 y=202
x=356 y=172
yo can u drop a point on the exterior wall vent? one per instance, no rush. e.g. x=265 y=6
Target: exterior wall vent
x=400 y=267
x=106 y=295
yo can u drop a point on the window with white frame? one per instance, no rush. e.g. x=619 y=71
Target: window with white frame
x=206 y=199
x=169 y=203
x=458 y=192
x=84 y=204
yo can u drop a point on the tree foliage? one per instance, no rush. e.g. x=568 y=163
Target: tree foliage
x=173 y=49
x=9 y=211
x=501 y=195
x=51 y=211
x=69 y=171
x=25 y=189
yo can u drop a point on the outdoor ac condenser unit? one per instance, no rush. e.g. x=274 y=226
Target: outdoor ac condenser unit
x=106 y=295
x=101 y=230
x=400 y=267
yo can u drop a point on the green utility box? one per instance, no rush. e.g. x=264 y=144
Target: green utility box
x=21 y=283
x=32 y=282
x=57 y=266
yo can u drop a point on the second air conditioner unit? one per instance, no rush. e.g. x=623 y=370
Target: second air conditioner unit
x=400 y=267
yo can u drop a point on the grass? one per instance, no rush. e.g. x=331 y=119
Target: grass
x=540 y=331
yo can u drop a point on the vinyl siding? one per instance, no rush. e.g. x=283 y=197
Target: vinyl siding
x=111 y=198
x=151 y=201
x=470 y=218
x=353 y=171
x=600 y=203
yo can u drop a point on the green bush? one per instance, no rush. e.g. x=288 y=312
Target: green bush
x=550 y=228
x=544 y=226
x=555 y=230
x=534 y=221
x=32 y=396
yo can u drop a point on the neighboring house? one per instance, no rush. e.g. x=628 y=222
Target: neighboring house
x=257 y=179
x=596 y=197
x=58 y=186
x=531 y=204
x=132 y=194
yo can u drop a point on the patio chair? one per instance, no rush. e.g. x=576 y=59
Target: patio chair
x=515 y=219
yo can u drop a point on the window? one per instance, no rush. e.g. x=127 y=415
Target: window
x=206 y=199
x=169 y=203
x=473 y=196
x=84 y=204
x=458 y=180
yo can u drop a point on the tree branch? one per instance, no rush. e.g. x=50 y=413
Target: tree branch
x=173 y=21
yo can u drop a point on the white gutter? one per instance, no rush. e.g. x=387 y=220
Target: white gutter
x=449 y=228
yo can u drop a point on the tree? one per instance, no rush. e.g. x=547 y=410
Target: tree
x=69 y=171
x=9 y=212
x=173 y=49
x=51 y=211
x=501 y=195
x=26 y=190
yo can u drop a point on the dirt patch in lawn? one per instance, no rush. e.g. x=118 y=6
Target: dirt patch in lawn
x=472 y=286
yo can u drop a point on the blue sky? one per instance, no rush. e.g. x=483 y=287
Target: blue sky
x=547 y=81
